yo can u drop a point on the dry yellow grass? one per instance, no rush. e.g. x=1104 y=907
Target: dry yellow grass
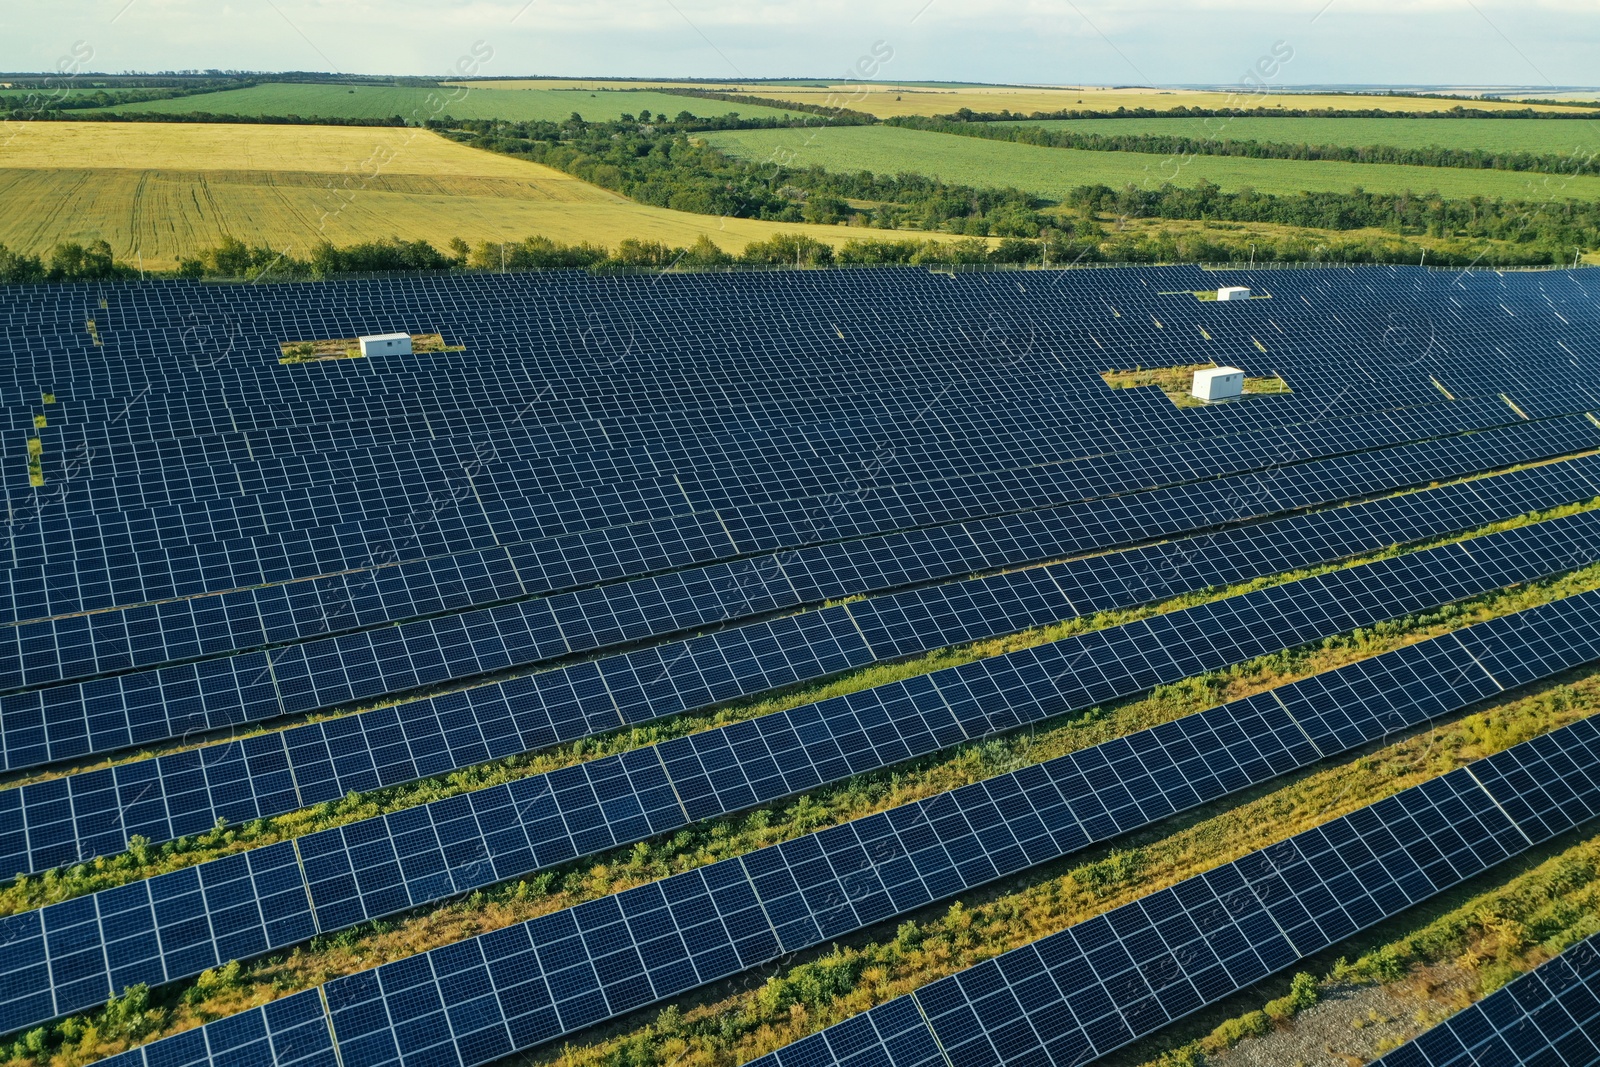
x=356 y=150
x=887 y=101
x=158 y=191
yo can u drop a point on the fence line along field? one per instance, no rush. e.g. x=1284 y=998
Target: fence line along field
x=418 y=104
x=1055 y=172
x=1540 y=136
x=161 y=191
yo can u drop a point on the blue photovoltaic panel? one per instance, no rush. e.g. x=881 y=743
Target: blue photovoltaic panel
x=95 y=812
x=1070 y=997
x=604 y=439
x=1549 y=1017
x=1079 y=994
x=373 y=868
x=158 y=704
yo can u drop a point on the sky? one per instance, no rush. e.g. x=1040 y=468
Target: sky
x=1535 y=43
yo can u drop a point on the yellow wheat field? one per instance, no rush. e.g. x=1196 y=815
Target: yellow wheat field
x=159 y=191
x=888 y=101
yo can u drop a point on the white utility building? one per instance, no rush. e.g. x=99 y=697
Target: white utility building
x=1218 y=383
x=1234 y=292
x=386 y=344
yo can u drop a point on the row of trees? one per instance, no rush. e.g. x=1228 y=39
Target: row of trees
x=64 y=95
x=233 y=259
x=1580 y=160
x=67 y=262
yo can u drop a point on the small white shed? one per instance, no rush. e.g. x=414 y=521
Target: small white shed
x=1218 y=383
x=386 y=344
x=1234 y=292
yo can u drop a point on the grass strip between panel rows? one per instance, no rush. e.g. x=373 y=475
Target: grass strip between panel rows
x=1439 y=958
x=144 y=860
x=1093 y=881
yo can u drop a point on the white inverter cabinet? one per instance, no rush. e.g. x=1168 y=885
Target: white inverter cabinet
x=386 y=344
x=1234 y=292
x=1218 y=383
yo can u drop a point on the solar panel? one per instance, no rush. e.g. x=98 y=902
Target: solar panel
x=43 y=725
x=65 y=820
x=176 y=925
x=601 y=505
x=1070 y=997
x=1549 y=1016
x=1079 y=994
x=564 y=624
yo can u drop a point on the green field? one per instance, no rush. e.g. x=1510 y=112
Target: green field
x=414 y=104
x=1543 y=136
x=1054 y=172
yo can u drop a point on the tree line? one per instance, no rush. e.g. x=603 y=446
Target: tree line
x=234 y=260
x=1551 y=228
x=65 y=97
x=664 y=164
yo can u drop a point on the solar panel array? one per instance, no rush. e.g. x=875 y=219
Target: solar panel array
x=1102 y=984
x=71 y=819
x=617 y=500
x=143 y=707
x=1549 y=1016
x=1133 y=969
x=176 y=925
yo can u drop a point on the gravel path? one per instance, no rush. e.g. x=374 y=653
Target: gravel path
x=1351 y=1025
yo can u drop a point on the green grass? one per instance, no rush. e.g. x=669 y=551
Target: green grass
x=986 y=922
x=982 y=923
x=1444 y=954
x=1054 y=172
x=1541 y=136
x=385 y=101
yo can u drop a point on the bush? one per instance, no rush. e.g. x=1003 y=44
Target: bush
x=535 y=253
x=72 y=262
x=376 y=257
x=1303 y=993
x=789 y=249
x=705 y=253
x=16 y=267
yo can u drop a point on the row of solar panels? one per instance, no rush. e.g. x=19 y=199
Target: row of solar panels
x=737 y=772
x=135 y=708
x=498 y=478
x=1104 y=983
x=1033 y=374
x=69 y=819
x=864 y=367
x=1072 y=996
x=586 y=309
x=280 y=895
x=97 y=575
x=432 y=396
